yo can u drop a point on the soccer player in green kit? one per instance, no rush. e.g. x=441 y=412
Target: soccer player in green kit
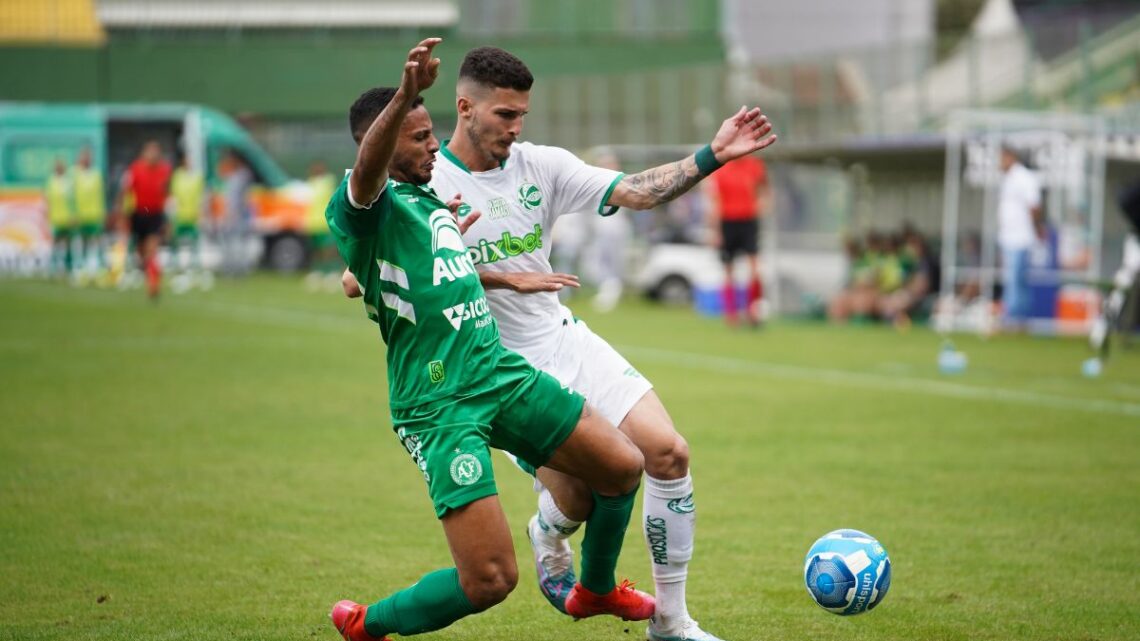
x=454 y=391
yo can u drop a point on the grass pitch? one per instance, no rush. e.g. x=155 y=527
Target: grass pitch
x=221 y=467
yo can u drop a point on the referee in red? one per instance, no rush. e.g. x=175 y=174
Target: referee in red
x=738 y=197
x=147 y=180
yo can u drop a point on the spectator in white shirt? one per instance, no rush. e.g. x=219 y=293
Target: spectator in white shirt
x=1019 y=226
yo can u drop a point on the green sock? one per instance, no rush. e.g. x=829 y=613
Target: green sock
x=605 y=530
x=435 y=602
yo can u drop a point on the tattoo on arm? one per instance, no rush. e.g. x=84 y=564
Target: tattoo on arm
x=652 y=187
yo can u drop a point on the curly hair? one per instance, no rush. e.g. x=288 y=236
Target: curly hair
x=368 y=106
x=494 y=67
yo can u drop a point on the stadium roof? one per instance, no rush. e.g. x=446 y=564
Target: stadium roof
x=215 y=14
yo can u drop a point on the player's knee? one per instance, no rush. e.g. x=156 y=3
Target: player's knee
x=490 y=585
x=627 y=471
x=668 y=459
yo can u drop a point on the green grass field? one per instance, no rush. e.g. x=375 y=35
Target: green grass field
x=221 y=467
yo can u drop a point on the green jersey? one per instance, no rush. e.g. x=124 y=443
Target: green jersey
x=421 y=287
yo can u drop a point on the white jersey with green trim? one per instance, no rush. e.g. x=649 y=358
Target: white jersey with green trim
x=520 y=200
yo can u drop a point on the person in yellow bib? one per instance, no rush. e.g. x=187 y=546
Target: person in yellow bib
x=186 y=206
x=324 y=263
x=61 y=215
x=90 y=209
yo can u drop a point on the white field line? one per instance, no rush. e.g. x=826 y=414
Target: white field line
x=868 y=380
x=286 y=317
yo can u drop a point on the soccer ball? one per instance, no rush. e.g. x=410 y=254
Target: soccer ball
x=847 y=572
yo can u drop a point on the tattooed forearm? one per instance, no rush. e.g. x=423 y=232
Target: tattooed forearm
x=655 y=186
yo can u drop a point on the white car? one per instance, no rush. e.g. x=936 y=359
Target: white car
x=676 y=273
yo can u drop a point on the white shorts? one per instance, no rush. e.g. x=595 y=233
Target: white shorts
x=588 y=364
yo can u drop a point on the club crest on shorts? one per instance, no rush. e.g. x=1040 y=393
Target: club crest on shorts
x=466 y=469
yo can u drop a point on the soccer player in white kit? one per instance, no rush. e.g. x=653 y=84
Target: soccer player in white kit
x=521 y=188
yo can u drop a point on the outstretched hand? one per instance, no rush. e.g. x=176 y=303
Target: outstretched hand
x=421 y=70
x=466 y=221
x=534 y=282
x=745 y=132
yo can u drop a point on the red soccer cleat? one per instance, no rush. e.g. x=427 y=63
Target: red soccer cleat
x=623 y=601
x=348 y=617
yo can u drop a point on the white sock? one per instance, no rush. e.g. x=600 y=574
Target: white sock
x=668 y=524
x=551 y=520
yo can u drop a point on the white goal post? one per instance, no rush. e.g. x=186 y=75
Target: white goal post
x=1067 y=152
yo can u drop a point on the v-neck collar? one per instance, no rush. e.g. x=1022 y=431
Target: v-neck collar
x=459 y=163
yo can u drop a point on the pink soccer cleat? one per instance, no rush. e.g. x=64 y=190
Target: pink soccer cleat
x=348 y=617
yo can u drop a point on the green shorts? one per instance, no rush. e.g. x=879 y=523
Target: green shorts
x=90 y=229
x=523 y=411
x=186 y=231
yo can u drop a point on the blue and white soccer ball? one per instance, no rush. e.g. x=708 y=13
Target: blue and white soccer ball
x=847 y=572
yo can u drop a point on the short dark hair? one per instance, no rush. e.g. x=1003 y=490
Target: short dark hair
x=368 y=106
x=494 y=67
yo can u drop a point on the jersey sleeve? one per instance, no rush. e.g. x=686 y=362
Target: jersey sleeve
x=350 y=220
x=355 y=230
x=577 y=185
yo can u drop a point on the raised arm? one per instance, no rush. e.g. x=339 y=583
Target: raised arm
x=370 y=171
x=744 y=133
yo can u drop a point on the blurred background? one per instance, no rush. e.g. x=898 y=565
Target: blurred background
x=890 y=113
x=218 y=466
